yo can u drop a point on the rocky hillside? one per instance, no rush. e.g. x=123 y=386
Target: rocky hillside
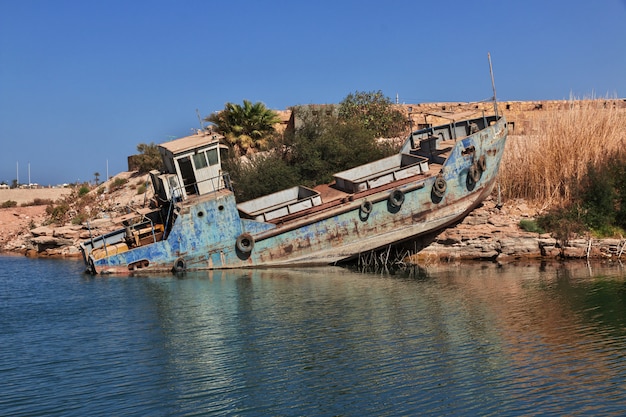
x=55 y=230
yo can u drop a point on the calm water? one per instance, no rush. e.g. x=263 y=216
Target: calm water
x=316 y=342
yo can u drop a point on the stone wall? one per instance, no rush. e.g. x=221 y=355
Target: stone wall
x=520 y=115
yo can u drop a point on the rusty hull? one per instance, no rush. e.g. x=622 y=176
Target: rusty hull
x=205 y=233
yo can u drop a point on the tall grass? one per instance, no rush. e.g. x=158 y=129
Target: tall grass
x=546 y=166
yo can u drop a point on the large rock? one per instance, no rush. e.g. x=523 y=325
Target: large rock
x=571 y=252
x=102 y=223
x=520 y=246
x=67 y=232
x=42 y=243
x=42 y=231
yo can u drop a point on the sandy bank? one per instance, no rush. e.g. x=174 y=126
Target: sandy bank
x=27 y=195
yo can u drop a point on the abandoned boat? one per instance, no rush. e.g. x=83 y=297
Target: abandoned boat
x=440 y=174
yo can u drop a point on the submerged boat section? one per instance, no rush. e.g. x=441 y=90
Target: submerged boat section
x=440 y=174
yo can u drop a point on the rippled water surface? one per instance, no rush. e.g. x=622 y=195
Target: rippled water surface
x=325 y=342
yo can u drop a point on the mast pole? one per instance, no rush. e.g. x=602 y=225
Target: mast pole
x=493 y=86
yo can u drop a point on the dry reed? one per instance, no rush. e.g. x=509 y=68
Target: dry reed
x=544 y=166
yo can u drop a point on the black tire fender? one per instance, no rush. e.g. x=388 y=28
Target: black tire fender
x=366 y=207
x=245 y=243
x=180 y=265
x=396 y=198
x=440 y=186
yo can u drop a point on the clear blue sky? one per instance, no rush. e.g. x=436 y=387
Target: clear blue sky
x=84 y=82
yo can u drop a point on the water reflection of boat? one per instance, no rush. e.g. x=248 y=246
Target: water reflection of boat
x=440 y=174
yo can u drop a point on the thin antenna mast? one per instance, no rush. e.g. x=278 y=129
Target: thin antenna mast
x=493 y=86
x=200 y=119
x=495 y=109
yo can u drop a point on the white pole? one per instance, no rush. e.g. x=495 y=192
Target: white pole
x=17 y=169
x=493 y=86
x=29 y=174
x=107 y=170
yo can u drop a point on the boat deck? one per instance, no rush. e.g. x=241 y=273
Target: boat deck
x=333 y=197
x=331 y=194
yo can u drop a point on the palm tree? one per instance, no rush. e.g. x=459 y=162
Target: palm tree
x=246 y=126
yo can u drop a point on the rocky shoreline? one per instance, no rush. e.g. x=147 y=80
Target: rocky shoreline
x=493 y=234
x=489 y=234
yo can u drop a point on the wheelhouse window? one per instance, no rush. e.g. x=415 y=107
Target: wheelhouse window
x=199 y=160
x=212 y=155
x=203 y=159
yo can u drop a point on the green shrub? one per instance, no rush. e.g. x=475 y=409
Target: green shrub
x=530 y=226
x=597 y=203
x=563 y=223
x=8 y=204
x=373 y=111
x=117 y=184
x=141 y=189
x=148 y=158
x=80 y=218
x=597 y=197
x=58 y=213
x=324 y=144
x=619 y=175
x=264 y=174
x=83 y=190
x=42 y=201
x=322 y=149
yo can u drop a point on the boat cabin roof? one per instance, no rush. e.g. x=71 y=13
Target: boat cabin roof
x=188 y=143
